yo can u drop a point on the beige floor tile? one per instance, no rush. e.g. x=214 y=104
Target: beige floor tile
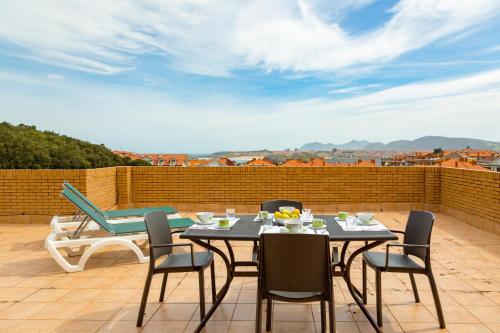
x=467 y=328
x=117 y=295
x=495 y=328
x=292 y=312
x=14 y=294
x=290 y=327
x=59 y=311
x=182 y=296
x=224 y=312
x=211 y=327
x=81 y=295
x=131 y=311
x=494 y=296
x=244 y=312
x=46 y=295
x=422 y=328
x=28 y=326
x=168 y=312
x=486 y=314
x=414 y=313
x=120 y=327
x=388 y=327
x=455 y=314
x=21 y=310
x=165 y=326
x=242 y=327
x=79 y=326
x=98 y=311
x=342 y=313
x=471 y=298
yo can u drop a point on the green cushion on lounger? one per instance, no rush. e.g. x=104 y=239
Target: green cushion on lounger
x=133 y=227
x=137 y=211
x=180 y=223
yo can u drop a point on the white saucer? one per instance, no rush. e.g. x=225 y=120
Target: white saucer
x=203 y=223
x=373 y=222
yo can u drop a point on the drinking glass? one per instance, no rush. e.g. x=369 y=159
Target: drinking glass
x=349 y=223
x=230 y=213
x=307 y=213
x=268 y=222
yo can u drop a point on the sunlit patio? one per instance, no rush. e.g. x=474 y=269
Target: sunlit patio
x=36 y=295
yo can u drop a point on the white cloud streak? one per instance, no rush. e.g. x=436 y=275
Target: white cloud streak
x=461 y=107
x=215 y=37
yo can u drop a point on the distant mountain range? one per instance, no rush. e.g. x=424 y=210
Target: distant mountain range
x=423 y=143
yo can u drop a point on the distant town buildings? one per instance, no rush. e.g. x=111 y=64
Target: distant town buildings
x=464 y=159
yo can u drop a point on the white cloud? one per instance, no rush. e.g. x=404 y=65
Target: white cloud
x=112 y=114
x=214 y=37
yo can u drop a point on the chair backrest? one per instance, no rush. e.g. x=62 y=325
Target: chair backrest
x=295 y=263
x=158 y=232
x=87 y=210
x=70 y=187
x=274 y=205
x=418 y=231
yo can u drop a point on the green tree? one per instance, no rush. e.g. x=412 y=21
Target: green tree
x=24 y=147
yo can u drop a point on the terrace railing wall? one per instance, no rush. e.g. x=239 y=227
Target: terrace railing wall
x=32 y=196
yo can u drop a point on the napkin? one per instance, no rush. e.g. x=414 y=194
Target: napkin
x=354 y=225
x=282 y=230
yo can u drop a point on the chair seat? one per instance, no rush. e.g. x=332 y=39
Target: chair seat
x=299 y=296
x=397 y=262
x=182 y=262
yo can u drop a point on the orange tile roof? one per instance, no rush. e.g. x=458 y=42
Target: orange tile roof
x=165 y=159
x=455 y=163
x=365 y=163
x=258 y=162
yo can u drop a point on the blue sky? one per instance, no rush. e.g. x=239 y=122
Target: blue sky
x=201 y=76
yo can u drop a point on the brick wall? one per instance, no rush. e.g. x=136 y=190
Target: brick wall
x=472 y=196
x=32 y=196
x=101 y=187
x=322 y=188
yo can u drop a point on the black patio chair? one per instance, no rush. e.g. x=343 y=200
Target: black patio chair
x=417 y=241
x=160 y=245
x=273 y=206
x=290 y=275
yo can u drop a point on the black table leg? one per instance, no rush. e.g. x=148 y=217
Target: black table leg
x=356 y=295
x=222 y=293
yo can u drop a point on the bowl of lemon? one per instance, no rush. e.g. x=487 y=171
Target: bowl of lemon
x=287 y=216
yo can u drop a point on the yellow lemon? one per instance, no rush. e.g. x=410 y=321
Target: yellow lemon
x=296 y=212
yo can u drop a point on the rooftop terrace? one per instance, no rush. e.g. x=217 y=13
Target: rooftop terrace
x=37 y=296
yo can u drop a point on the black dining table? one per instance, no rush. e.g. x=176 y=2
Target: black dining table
x=246 y=229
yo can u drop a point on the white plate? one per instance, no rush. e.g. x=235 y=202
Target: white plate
x=339 y=220
x=373 y=222
x=216 y=227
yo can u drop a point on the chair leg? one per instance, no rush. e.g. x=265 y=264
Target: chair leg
x=258 y=311
x=323 y=315
x=212 y=277
x=437 y=302
x=378 y=287
x=331 y=315
x=163 y=287
x=201 y=279
x=365 y=295
x=414 y=287
x=269 y=314
x=144 y=299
